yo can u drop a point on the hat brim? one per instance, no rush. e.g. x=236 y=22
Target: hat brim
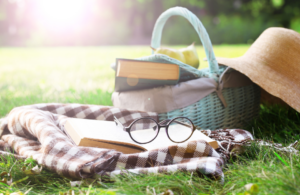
x=272 y=81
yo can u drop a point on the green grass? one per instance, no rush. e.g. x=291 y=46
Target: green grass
x=83 y=75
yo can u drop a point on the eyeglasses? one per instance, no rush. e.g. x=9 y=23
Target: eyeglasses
x=145 y=130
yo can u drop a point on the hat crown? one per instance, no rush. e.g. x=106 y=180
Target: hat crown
x=275 y=44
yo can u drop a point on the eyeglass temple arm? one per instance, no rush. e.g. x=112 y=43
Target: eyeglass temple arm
x=118 y=123
x=182 y=123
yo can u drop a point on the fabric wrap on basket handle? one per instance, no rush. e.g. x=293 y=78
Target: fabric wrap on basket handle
x=198 y=26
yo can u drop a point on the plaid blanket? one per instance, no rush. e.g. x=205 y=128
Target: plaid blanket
x=37 y=131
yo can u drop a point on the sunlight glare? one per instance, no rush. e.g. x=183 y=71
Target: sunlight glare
x=60 y=13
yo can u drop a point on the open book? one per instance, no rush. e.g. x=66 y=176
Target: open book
x=105 y=134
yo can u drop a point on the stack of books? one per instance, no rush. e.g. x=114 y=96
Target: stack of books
x=138 y=74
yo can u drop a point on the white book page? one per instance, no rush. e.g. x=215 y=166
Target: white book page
x=104 y=130
x=162 y=139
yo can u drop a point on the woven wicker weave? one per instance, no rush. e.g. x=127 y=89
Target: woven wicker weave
x=209 y=112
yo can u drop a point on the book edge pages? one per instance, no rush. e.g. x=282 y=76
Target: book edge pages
x=126 y=144
x=117 y=68
x=126 y=149
x=121 y=59
x=74 y=135
x=178 y=70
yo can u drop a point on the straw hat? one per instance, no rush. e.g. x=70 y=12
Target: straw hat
x=273 y=62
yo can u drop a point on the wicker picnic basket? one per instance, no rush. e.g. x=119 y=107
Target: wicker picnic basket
x=209 y=112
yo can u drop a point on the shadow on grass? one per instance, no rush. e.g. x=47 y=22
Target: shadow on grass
x=276 y=123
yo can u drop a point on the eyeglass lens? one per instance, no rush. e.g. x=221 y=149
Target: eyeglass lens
x=144 y=130
x=180 y=129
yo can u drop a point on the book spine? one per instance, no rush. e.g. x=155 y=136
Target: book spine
x=122 y=84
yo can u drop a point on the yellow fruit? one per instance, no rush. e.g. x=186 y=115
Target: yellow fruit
x=191 y=56
x=173 y=53
x=186 y=55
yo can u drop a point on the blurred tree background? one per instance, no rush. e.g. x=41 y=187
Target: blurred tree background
x=119 y=22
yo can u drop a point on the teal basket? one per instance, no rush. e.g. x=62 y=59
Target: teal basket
x=209 y=112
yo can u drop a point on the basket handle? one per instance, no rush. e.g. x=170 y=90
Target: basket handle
x=157 y=31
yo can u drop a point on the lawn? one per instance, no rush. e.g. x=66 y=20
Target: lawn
x=83 y=75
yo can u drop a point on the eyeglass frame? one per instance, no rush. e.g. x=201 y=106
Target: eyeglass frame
x=160 y=124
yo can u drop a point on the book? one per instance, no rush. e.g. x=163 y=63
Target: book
x=105 y=134
x=139 y=74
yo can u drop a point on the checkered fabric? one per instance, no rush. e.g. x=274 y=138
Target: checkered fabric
x=37 y=131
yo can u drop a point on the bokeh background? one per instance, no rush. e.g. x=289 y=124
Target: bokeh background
x=60 y=51
x=130 y=22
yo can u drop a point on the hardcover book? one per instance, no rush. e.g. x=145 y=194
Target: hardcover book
x=105 y=134
x=138 y=74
